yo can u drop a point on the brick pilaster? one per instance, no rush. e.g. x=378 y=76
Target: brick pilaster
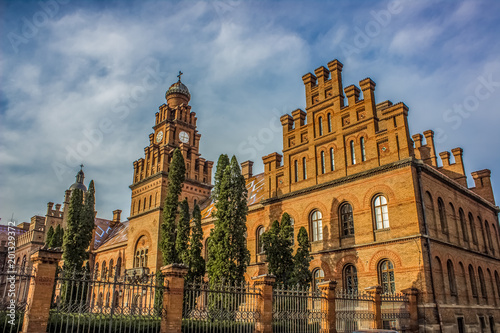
x=328 y=290
x=40 y=290
x=173 y=296
x=376 y=293
x=265 y=303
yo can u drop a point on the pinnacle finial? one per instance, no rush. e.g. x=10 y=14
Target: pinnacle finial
x=179 y=76
x=81 y=167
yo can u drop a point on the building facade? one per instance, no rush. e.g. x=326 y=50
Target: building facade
x=379 y=208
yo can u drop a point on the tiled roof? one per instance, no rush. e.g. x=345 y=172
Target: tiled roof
x=117 y=235
x=255 y=187
x=102 y=231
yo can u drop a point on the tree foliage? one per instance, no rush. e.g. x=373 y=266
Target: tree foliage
x=301 y=274
x=277 y=242
x=50 y=236
x=176 y=176
x=222 y=163
x=228 y=254
x=195 y=261
x=182 y=237
x=58 y=238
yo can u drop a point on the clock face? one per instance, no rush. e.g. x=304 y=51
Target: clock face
x=184 y=137
x=159 y=136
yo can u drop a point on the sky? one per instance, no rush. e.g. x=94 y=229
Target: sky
x=81 y=81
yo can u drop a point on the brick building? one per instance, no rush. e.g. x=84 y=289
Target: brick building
x=379 y=208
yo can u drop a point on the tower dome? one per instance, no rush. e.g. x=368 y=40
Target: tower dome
x=178 y=93
x=80 y=176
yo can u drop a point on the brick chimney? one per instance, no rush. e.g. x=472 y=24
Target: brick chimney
x=116 y=216
x=246 y=169
x=483 y=184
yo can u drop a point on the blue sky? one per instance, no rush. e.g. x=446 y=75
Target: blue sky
x=71 y=68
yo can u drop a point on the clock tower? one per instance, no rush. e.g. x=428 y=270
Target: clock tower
x=175 y=127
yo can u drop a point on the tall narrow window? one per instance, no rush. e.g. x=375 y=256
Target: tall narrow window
x=353 y=154
x=497 y=280
x=488 y=234
x=463 y=225
x=296 y=171
x=304 y=168
x=451 y=278
x=442 y=216
x=317 y=225
x=472 y=279
x=381 y=212
x=111 y=267
x=472 y=229
x=318 y=277
x=119 y=266
x=260 y=243
x=482 y=283
x=351 y=279
x=332 y=160
x=329 y=119
x=346 y=219
x=386 y=277
x=363 y=151
x=103 y=270
x=139 y=206
x=320 y=126
x=323 y=162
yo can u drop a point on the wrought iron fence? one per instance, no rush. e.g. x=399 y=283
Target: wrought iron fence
x=354 y=310
x=298 y=310
x=222 y=307
x=86 y=301
x=395 y=312
x=14 y=285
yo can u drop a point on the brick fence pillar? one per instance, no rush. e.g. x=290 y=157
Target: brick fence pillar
x=171 y=321
x=328 y=290
x=40 y=290
x=412 y=294
x=376 y=293
x=265 y=303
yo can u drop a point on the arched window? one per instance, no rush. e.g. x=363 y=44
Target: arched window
x=260 y=243
x=351 y=279
x=156 y=199
x=346 y=219
x=323 y=168
x=442 y=216
x=141 y=253
x=150 y=200
x=318 y=277
x=332 y=160
x=316 y=225
x=107 y=300
x=472 y=229
x=296 y=171
x=320 y=126
x=96 y=268
x=386 y=277
x=472 y=278
x=451 y=278
x=463 y=225
x=111 y=266
x=139 y=206
x=119 y=266
x=23 y=263
x=103 y=270
x=381 y=212
x=363 y=151
x=488 y=235
x=497 y=280
x=304 y=168
x=482 y=283
x=144 y=205
x=353 y=154
x=329 y=120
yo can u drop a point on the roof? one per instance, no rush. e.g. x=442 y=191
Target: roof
x=117 y=235
x=102 y=231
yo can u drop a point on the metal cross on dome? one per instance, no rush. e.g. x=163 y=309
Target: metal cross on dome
x=179 y=76
x=81 y=166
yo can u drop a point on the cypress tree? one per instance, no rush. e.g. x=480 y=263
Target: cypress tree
x=176 y=176
x=182 y=239
x=301 y=274
x=195 y=262
x=222 y=163
x=88 y=221
x=57 y=239
x=50 y=237
x=228 y=254
x=71 y=243
x=277 y=243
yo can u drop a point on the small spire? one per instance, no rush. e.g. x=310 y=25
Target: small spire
x=179 y=76
x=81 y=167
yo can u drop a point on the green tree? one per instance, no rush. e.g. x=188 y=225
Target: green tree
x=50 y=236
x=158 y=302
x=222 y=163
x=182 y=238
x=57 y=239
x=301 y=274
x=228 y=254
x=195 y=261
x=277 y=242
x=176 y=176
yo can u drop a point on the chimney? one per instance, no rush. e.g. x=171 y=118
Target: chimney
x=483 y=184
x=58 y=207
x=445 y=158
x=246 y=169
x=352 y=93
x=335 y=68
x=429 y=143
x=116 y=216
x=49 y=208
